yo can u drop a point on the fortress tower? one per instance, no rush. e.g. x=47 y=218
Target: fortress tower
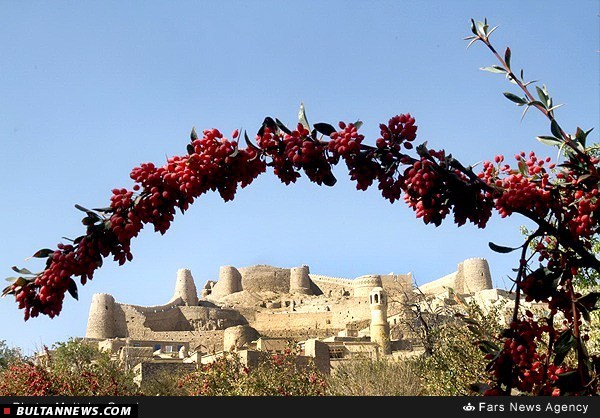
x=475 y=274
x=380 y=329
x=101 y=320
x=230 y=281
x=363 y=285
x=299 y=280
x=185 y=288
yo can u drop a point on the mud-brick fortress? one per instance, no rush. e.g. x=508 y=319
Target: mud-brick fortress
x=262 y=308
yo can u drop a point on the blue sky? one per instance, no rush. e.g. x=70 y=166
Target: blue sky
x=88 y=90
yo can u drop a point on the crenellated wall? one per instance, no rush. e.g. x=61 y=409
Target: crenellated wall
x=472 y=275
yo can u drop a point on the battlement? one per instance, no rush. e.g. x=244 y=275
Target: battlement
x=471 y=276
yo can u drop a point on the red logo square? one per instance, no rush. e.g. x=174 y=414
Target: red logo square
x=6 y=411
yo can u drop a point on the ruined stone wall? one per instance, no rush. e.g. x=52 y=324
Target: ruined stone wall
x=332 y=285
x=340 y=313
x=472 y=275
x=263 y=278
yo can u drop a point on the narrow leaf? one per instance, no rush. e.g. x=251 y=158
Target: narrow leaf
x=494 y=69
x=473 y=29
x=324 y=128
x=73 y=289
x=43 y=253
x=542 y=94
x=190 y=149
x=21 y=271
x=282 y=127
x=514 y=98
x=248 y=142
x=81 y=208
x=193 y=134
x=507 y=55
x=501 y=249
x=302 y=117
x=555 y=129
x=549 y=140
x=359 y=123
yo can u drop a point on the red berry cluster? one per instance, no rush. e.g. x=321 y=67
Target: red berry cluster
x=305 y=152
x=425 y=193
x=400 y=131
x=519 y=364
x=525 y=189
x=347 y=141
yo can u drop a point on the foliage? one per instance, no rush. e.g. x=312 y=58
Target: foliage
x=560 y=199
x=8 y=355
x=275 y=375
x=368 y=377
x=73 y=369
x=453 y=360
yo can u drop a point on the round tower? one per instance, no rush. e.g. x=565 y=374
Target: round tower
x=476 y=275
x=230 y=281
x=185 y=288
x=379 y=328
x=101 y=320
x=299 y=280
x=362 y=285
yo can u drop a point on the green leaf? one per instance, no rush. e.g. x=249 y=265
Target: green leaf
x=581 y=136
x=282 y=126
x=21 y=271
x=43 y=253
x=106 y=209
x=563 y=345
x=481 y=28
x=473 y=28
x=494 y=69
x=590 y=301
x=488 y=347
x=81 y=208
x=73 y=289
x=507 y=55
x=542 y=94
x=568 y=382
x=501 y=249
x=193 y=134
x=359 y=123
x=514 y=98
x=549 y=140
x=190 y=149
x=302 y=117
x=555 y=129
x=248 y=142
x=324 y=128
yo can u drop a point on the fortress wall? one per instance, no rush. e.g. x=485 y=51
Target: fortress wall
x=262 y=278
x=472 y=275
x=154 y=309
x=351 y=310
x=293 y=321
x=298 y=335
x=171 y=319
x=207 y=341
x=204 y=318
x=397 y=281
x=440 y=285
x=335 y=285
